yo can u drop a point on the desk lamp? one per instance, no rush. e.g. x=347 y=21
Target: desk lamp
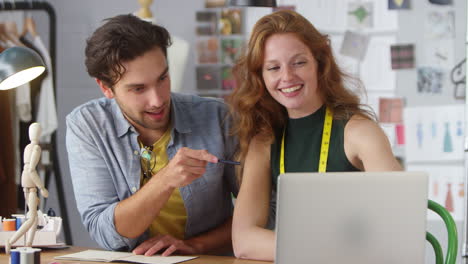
x=263 y=3
x=19 y=65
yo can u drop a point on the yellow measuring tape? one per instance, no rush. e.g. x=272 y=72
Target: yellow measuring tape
x=327 y=125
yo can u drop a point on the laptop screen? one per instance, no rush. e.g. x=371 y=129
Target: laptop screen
x=351 y=217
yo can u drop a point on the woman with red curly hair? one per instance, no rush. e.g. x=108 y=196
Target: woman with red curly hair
x=290 y=95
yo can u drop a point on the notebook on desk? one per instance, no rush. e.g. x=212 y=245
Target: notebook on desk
x=351 y=217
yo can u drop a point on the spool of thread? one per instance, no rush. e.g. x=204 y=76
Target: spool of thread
x=29 y=256
x=19 y=222
x=9 y=224
x=15 y=256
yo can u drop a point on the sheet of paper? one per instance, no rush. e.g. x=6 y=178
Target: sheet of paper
x=376 y=70
x=325 y=15
x=354 y=45
x=332 y=15
x=440 y=24
x=434 y=133
x=439 y=53
x=430 y=80
x=157 y=259
x=96 y=255
x=384 y=19
x=360 y=15
x=108 y=256
x=391 y=110
x=402 y=56
x=446 y=187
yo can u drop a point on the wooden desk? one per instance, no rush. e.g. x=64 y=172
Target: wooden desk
x=47 y=256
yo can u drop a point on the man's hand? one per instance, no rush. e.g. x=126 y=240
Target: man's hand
x=167 y=245
x=186 y=166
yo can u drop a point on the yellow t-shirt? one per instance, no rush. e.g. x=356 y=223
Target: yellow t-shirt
x=173 y=216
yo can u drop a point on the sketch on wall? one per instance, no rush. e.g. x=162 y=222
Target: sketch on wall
x=430 y=80
x=360 y=15
x=457 y=77
x=332 y=15
x=446 y=187
x=440 y=25
x=434 y=133
x=398 y=4
x=439 y=53
x=354 y=45
x=402 y=56
x=391 y=110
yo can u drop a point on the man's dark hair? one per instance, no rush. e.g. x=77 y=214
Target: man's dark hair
x=122 y=38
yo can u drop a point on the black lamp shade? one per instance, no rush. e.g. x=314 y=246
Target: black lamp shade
x=264 y=3
x=19 y=65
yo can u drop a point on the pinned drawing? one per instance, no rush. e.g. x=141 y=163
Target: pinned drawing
x=458 y=77
x=207 y=22
x=447 y=138
x=230 y=22
x=207 y=50
x=449 y=199
x=231 y=50
x=440 y=25
x=419 y=134
x=360 y=15
x=391 y=110
x=402 y=56
x=208 y=78
x=430 y=80
x=432 y=133
x=459 y=128
x=400 y=134
x=446 y=187
x=398 y=4
x=439 y=53
x=354 y=45
x=228 y=80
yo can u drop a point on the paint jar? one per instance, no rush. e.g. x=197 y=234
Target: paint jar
x=9 y=224
x=19 y=221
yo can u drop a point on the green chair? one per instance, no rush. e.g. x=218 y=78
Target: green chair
x=452 y=246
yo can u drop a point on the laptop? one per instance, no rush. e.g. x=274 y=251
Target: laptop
x=351 y=217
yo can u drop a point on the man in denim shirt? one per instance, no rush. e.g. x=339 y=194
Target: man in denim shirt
x=143 y=160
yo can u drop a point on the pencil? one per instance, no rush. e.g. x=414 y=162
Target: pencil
x=229 y=162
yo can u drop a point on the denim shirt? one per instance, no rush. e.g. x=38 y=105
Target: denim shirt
x=104 y=160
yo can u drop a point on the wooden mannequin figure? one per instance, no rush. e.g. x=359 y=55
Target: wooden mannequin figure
x=30 y=181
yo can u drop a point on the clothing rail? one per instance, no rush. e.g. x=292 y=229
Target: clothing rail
x=45 y=6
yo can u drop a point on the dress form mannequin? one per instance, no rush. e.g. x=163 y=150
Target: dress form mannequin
x=177 y=53
x=30 y=181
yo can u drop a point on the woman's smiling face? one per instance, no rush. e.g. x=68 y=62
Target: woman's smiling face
x=290 y=74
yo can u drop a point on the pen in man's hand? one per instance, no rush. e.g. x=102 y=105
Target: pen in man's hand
x=229 y=162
